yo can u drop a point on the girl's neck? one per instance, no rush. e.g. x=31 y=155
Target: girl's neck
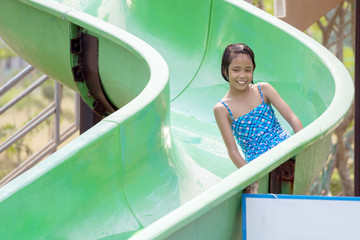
x=234 y=93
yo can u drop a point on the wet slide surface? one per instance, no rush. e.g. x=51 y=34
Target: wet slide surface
x=156 y=167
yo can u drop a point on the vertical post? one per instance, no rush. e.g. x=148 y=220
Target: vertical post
x=357 y=100
x=77 y=110
x=58 y=93
x=280 y=8
x=88 y=117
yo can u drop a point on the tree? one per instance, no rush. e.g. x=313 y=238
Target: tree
x=336 y=27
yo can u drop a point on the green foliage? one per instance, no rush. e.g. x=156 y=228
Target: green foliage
x=315 y=32
x=349 y=60
x=9 y=96
x=16 y=148
x=335 y=184
x=267 y=4
x=5 y=131
x=4 y=51
x=48 y=92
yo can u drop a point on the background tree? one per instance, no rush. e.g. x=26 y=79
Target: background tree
x=337 y=27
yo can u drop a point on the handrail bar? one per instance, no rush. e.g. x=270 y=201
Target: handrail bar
x=53 y=108
x=28 y=163
x=42 y=116
x=23 y=94
x=43 y=112
x=70 y=130
x=7 y=86
x=36 y=157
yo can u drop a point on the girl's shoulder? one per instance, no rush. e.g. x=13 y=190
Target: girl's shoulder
x=266 y=88
x=219 y=105
x=268 y=91
x=220 y=109
x=264 y=85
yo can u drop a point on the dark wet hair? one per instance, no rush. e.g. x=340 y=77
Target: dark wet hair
x=230 y=53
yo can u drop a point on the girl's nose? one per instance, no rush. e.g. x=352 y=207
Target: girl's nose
x=242 y=74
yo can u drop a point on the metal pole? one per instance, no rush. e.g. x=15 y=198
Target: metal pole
x=58 y=96
x=88 y=117
x=357 y=101
x=15 y=79
x=77 y=110
x=28 y=90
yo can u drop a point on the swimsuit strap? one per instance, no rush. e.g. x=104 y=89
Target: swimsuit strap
x=262 y=97
x=228 y=110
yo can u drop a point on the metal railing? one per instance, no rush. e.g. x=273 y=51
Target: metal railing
x=53 y=109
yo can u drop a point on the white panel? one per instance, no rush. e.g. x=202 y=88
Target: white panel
x=302 y=218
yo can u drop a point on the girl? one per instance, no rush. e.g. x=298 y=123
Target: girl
x=245 y=111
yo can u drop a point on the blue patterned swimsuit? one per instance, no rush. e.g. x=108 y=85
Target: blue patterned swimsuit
x=257 y=131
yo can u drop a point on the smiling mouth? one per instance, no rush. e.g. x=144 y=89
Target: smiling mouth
x=241 y=82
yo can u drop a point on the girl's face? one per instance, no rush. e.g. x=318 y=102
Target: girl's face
x=240 y=72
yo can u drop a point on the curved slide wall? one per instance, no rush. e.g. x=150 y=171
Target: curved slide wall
x=158 y=163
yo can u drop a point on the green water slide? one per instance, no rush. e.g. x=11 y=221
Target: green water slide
x=156 y=167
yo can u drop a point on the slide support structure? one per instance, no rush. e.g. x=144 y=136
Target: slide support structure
x=84 y=48
x=282 y=178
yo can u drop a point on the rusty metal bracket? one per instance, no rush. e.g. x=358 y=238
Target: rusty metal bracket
x=283 y=175
x=85 y=49
x=78 y=73
x=75 y=45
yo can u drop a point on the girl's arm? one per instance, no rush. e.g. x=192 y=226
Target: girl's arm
x=221 y=117
x=271 y=94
